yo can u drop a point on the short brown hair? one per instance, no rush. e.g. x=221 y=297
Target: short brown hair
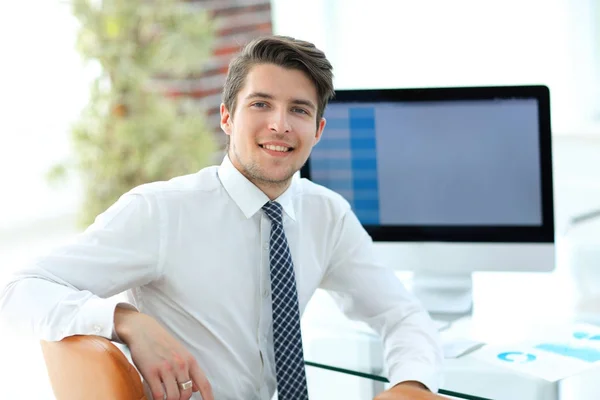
x=285 y=52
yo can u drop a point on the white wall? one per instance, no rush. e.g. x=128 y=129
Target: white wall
x=405 y=43
x=576 y=176
x=43 y=85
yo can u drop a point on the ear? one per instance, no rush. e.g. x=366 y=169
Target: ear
x=226 y=119
x=322 y=124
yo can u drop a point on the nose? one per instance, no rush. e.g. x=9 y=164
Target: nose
x=280 y=122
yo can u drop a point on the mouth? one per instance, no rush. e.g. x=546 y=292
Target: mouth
x=276 y=148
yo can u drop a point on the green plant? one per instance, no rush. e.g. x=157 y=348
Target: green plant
x=131 y=133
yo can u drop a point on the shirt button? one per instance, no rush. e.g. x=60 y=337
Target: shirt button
x=266 y=246
x=97 y=328
x=266 y=293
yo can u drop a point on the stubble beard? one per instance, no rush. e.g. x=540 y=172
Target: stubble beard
x=256 y=174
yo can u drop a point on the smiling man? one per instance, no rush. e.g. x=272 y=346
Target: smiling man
x=273 y=125
x=219 y=265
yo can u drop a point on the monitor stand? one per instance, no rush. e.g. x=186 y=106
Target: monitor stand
x=444 y=294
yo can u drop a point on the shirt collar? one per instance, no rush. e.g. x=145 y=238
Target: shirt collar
x=246 y=195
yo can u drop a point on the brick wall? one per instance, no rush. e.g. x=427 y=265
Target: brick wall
x=237 y=22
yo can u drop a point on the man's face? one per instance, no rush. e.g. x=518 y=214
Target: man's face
x=274 y=127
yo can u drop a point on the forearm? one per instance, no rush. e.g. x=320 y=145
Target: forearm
x=50 y=311
x=413 y=350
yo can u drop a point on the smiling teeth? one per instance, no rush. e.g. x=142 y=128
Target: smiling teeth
x=275 y=148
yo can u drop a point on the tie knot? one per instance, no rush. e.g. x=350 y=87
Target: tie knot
x=274 y=211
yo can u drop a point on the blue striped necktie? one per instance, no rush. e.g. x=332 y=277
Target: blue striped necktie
x=287 y=338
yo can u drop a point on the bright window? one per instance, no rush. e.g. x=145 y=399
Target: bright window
x=406 y=43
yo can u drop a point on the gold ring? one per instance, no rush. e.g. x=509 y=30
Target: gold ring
x=186 y=385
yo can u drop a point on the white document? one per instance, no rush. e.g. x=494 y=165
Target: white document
x=555 y=355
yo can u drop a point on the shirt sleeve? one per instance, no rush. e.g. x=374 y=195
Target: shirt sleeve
x=370 y=292
x=67 y=292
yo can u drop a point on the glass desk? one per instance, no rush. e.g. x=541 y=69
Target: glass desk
x=378 y=377
x=340 y=348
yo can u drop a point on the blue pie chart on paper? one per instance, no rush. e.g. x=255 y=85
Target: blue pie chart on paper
x=516 y=357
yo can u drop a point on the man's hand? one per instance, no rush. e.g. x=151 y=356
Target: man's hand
x=410 y=390
x=160 y=358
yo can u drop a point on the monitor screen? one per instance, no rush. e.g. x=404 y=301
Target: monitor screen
x=441 y=164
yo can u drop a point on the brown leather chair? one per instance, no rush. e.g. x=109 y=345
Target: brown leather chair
x=93 y=368
x=90 y=368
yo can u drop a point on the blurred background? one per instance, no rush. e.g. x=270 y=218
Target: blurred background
x=79 y=96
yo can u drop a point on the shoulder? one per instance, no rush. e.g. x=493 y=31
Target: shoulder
x=204 y=181
x=321 y=199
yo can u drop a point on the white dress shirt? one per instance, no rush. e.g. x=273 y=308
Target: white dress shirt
x=193 y=253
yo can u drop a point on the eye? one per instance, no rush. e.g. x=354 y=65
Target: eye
x=299 y=110
x=259 y=104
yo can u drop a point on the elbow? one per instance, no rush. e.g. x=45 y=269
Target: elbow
x=8 y=302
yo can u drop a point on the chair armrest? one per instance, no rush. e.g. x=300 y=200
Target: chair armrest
x=91 y=367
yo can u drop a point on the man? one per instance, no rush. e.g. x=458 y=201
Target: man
x=220 y=264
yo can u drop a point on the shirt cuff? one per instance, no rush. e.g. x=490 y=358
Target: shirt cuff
x=99 y=318
x=416 y=371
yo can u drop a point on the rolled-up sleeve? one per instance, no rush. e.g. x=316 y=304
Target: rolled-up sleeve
x=68 y=291
x=367 y=291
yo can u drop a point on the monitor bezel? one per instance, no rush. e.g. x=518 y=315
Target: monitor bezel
x=471 y=233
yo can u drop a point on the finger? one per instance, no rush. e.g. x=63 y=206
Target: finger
x=200 y=382
x=156 y=387
x=183 y=377
x=184 y=394
x=170 y=384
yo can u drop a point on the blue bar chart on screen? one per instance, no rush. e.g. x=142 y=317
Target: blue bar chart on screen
x=348 y=148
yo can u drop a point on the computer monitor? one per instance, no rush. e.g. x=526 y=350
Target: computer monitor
x=447 y=181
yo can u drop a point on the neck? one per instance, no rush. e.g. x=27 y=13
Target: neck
x=272 y=189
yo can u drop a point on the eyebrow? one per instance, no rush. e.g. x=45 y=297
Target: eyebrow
x=262 y=95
